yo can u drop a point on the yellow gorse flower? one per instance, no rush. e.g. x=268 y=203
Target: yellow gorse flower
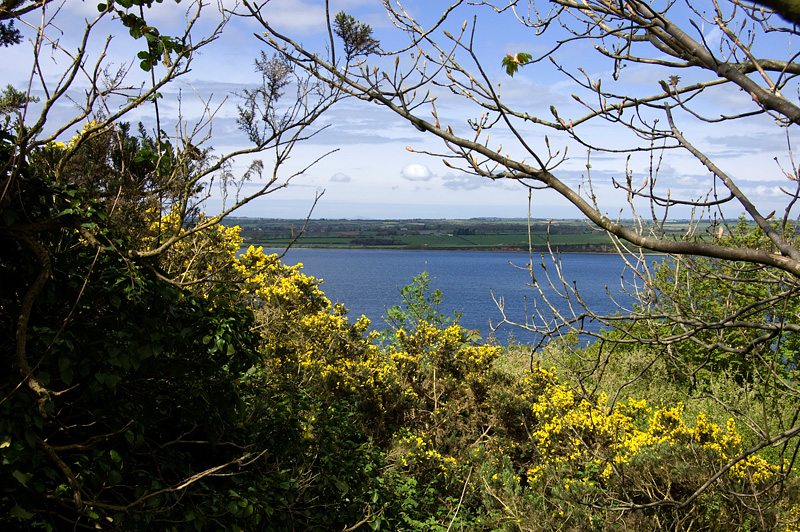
x=74 y=140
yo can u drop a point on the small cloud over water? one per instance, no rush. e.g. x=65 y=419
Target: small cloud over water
x=416 y=172
x=339 y=177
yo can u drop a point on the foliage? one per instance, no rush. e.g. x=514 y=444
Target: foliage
x=463 y=440
x=512 y=62
x=143 y=394
x=258 y=116
x=581 y=454
x=427 y=431
x=721 y=316
x=12 y=100
x=419 y=305
x=159 y=47
x=356 y=36
x=718 y=317
x=9 y=35
x=159 y=379
x=125 y=332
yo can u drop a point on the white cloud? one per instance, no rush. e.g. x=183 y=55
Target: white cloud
x=295 y=15
x=473 y=182
x=339 y=177
x=416 y=172
x=765 y=192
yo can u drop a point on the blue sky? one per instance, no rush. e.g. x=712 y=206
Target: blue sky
x=372 y=174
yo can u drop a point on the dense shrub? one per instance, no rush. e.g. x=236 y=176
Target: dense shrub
x=253 y=403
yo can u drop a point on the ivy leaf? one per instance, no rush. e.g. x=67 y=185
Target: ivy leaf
x=114 y=477
x=20 y=513
x=23 y=478
x=65 y=367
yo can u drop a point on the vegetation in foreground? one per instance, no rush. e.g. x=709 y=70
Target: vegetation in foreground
x=156 y=380
x=253 y=404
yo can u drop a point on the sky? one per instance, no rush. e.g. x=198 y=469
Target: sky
x=373 y=169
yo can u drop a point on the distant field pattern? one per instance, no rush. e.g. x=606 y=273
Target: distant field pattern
x=476 y=234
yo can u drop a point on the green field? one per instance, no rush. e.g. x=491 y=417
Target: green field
x=477 y=234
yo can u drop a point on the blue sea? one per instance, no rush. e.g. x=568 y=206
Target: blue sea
x=368 y=282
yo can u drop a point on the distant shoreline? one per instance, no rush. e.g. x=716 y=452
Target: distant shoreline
x=511 y=235
x=459 y=250
x=465 y=250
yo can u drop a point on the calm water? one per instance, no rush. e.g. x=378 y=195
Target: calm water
x=369 y=281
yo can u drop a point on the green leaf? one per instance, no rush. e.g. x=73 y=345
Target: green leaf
x=20 y=513
x=112 y=379
x=30 y=438
x=65 y=367
x=513 y=62
x=9 y=216
x=67 y=375
x=23 y=478
x=341 y=486
x=510 y=66
x=114 y=477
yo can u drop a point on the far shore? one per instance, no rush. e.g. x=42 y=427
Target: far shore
x=474 y=235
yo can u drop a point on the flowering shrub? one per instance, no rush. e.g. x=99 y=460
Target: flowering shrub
x=195 y=258
x=432 y=427
x=580 y=454
x=70 y=144
x=300 y=329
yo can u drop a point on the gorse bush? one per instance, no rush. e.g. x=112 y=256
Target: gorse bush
x=313 y=423
x=157 y=379
x=461 y=439
x=581 y=454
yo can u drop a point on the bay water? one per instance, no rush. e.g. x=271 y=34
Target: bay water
x=368 y=282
